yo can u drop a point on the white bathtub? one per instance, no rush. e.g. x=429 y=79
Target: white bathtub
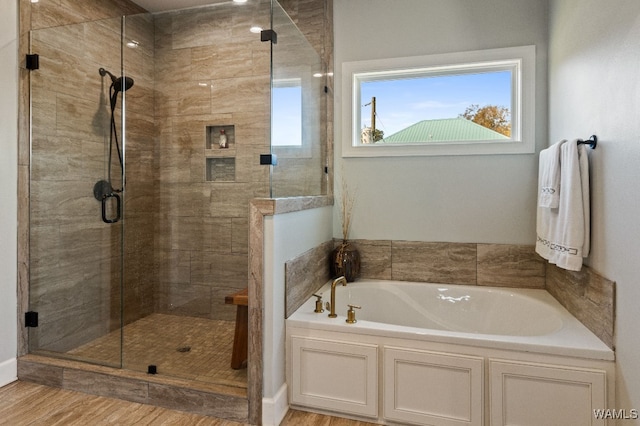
x=528 y=320
x=447 y=355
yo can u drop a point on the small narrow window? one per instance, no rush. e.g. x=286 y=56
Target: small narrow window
x=478 y=102
x=286 y=127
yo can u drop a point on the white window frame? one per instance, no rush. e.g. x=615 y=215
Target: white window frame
x=521 y=60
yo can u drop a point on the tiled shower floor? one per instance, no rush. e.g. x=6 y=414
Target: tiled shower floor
x=185 y=347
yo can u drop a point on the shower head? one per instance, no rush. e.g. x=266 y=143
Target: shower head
x=117 y=82
x=128 y=83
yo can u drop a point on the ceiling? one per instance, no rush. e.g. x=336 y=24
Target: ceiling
x=163 y=5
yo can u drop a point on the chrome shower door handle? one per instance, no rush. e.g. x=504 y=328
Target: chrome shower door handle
x=104 y=208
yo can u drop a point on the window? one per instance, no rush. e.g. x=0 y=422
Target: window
x=286 y=101
x=479 y=102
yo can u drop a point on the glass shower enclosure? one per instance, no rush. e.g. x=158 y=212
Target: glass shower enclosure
x=138 y=210
x=76 y=267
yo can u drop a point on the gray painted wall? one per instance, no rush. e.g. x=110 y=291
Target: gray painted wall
x=481 y=199
x=594 y=87
x=286 y=236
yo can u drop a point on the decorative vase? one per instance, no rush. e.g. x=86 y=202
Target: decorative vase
x=345 y=261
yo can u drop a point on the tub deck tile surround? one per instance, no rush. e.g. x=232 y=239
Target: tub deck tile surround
x=375 y=258
x=434 y=262
x=588 y=296
x=448 y=263
x=306 y=274
x=510 y=266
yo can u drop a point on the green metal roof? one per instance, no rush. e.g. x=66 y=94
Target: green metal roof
x=446 y=129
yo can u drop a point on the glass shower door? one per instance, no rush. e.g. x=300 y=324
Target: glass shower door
x=76 y=198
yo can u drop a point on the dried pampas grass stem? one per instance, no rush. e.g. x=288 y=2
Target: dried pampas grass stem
x=346 y=208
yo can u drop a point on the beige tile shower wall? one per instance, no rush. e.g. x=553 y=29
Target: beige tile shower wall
x=142 y=190
x=310 y=17
x=210 y=71
x=53 y=13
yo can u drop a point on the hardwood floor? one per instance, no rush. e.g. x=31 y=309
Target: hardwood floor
x=301 y=418
x=24 y=403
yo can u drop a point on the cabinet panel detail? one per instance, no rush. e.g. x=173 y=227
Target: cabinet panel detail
x=432 y=388
x=333 y=375
x=534 y=394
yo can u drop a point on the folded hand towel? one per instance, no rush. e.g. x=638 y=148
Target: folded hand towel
x=549 y=176
x=563 y=233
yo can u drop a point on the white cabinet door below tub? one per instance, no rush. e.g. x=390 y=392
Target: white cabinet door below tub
x=433 y=388
x=334 y=375
x=530 y=394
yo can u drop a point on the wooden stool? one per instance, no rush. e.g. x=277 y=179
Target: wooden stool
x=239 y=355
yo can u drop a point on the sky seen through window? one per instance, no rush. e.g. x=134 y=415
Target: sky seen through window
x=402 y=102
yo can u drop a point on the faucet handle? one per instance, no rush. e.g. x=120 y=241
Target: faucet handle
x=351 y=314
x=318 y=309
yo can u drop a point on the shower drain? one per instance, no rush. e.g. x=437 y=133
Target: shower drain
x=183 y=348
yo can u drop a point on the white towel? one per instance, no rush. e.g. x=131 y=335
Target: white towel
x=563 y=232
x=549 y=176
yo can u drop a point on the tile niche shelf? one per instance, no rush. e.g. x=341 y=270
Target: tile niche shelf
x=220 y=162
x=212 y=145
x=221 y=169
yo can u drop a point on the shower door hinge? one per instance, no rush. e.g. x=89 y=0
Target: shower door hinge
x=269 y=35
x=33 y=62
x=268 y=159
x=30 y=319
